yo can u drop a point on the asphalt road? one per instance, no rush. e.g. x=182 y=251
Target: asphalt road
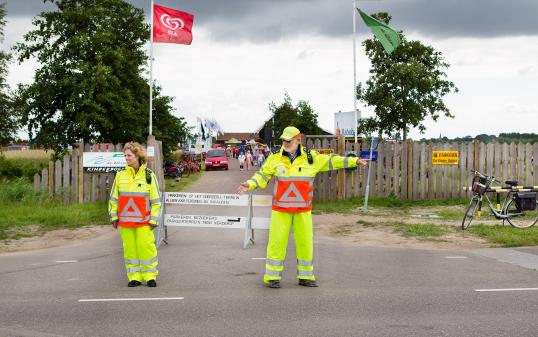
x=209 y=286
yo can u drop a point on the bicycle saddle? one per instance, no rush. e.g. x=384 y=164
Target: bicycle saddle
x=511 y=182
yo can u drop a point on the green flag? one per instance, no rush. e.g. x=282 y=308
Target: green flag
x=389 y=38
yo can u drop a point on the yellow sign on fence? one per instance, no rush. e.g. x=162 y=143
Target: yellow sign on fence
x=324 y=151
x=445 y=157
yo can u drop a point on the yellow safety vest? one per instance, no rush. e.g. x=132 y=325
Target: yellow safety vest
x=134 y=202
x=294 y=182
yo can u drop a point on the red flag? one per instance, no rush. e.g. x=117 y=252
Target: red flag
x=172 y=26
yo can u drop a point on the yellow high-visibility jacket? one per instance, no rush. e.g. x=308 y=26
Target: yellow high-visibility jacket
x=134 y=202
x=294 y=182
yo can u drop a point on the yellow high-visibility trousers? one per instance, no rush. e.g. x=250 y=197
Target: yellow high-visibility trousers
x=140 y=253
x=279 y=230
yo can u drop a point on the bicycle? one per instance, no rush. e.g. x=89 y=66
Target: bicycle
x=519 y=206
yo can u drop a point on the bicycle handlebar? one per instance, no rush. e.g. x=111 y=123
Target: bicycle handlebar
x=482 y=175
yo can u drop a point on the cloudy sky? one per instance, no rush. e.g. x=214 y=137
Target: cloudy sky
x=247 y=53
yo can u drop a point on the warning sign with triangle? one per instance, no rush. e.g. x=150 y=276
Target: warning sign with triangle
x=292 y=194
x=131 y=209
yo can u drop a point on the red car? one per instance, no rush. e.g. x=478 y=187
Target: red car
x=216 y=158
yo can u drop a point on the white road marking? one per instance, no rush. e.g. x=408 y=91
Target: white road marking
x=130 y=299
x=66 y=261
x=455 y=257
x=505 y=289
x=258 y=258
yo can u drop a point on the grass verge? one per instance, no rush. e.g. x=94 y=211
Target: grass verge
x=24 y=212
x=172 y=185
x=506 y=236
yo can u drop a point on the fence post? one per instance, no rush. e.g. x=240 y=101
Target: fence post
x=341 y=187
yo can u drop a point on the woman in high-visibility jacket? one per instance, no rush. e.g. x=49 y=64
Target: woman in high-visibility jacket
x=293 y=169
x=134 y=207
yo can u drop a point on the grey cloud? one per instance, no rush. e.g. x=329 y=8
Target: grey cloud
x=260 y=21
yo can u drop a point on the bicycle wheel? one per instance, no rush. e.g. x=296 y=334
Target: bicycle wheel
x=470 y=213
x=518 y=218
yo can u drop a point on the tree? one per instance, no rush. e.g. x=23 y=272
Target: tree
x=302 y=116
x=10 y=121
x=89 y=85
x=404 y=87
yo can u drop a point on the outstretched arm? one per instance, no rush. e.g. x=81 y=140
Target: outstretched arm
x=258 y=180
x=325 y=162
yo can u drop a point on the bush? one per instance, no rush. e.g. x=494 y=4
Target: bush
x=22 y=167
x=18 y=190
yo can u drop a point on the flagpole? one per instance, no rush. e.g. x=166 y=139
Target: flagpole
x=355 y=68
x=151 y=73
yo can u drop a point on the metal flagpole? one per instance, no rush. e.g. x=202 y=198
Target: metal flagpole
x=151 y=73
x=355 y=67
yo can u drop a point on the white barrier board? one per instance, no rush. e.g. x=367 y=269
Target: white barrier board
x=215 y=199
x=209 y=199
x=184 y=220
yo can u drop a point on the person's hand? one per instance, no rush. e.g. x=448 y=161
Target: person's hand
x=152 y=225
x=243 y=188
x=115 y=223
x=362 y=162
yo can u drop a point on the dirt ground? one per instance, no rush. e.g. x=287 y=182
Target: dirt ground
x=57 y=238
x=344 y=227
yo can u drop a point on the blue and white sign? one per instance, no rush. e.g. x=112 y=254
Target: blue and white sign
x=366 y=155
x=103 y=162
x=345 y=121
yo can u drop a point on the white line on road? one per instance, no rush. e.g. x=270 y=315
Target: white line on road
x=505 y=289
x=455 y=257
x=131 y=299
x=258 y=258
x=66 y=261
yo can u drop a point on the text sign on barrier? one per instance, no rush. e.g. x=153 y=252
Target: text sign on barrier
x=182 y=220
x=445 y=157
x=206 y=199
x=213 y=199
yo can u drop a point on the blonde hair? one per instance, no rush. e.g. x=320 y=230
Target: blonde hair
x=138 y=150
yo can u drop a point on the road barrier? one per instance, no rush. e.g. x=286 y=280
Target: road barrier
x=249 y=222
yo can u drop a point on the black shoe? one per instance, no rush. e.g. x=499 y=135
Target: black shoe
x=133 y=283
x=152 y=283
x=273 y=284
x=307 y=283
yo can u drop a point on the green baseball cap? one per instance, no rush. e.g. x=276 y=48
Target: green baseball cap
x=289 y=133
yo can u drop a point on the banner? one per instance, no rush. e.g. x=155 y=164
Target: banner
x=103 y=162
x=172 y=26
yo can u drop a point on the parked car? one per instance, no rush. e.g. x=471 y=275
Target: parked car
x=216 y=158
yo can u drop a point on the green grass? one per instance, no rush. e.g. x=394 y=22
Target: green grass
x=409 y=230
x=355 y=205
x=26 y=213
x=506 y=236
x=177 y=186
x=423 y=230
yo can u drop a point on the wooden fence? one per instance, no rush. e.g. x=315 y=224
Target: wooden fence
x=65 y=179
x=406 y=169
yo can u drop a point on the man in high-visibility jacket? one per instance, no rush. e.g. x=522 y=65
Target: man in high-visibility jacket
x=135 y=206
x=293 y=169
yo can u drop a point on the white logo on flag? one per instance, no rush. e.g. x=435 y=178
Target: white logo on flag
x=172 y=23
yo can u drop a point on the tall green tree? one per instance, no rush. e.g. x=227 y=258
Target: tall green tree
x=301 y=115
x=9 y=119
x=405 y=87
x=90 y=82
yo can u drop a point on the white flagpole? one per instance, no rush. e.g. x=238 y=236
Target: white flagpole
x=355 y=67
x=151 y=73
